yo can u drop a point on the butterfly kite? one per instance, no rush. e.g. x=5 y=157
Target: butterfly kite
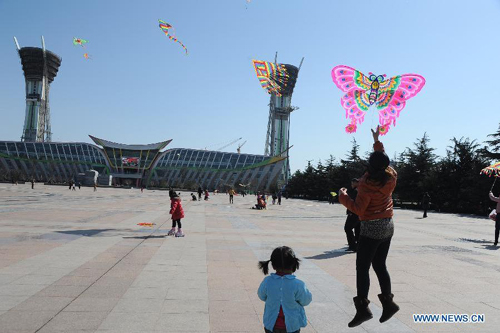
x=389 y=95
x=164 y=26
x=273 y=77
x=79 y=41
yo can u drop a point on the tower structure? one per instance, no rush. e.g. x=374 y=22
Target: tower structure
x=278 y=126
x=40 y=67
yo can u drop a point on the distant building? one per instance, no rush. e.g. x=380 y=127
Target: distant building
x=136 y=165
x=111 y=163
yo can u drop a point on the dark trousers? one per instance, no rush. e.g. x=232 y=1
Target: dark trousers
x=425 y=210
x=277 y=330
x=372 y=252
x=178 y=223
x=231 y=197
x=352 y=223
x=497 y=227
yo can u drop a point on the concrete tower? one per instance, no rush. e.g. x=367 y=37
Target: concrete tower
x=40 y=68
x=278 y=127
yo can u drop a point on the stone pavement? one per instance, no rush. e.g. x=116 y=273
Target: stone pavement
x=78 y=262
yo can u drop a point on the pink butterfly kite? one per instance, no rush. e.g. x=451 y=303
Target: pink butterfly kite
x=389 y=95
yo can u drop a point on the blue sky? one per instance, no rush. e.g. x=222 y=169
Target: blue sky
x=141 y=88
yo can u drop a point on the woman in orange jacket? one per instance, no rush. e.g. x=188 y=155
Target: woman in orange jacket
x=374 y=207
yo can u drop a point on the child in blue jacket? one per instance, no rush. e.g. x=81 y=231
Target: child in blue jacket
x=284 y=294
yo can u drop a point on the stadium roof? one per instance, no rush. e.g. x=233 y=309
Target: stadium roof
x=110 y=144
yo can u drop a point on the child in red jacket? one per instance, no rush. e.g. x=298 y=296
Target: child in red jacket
x=177 y=214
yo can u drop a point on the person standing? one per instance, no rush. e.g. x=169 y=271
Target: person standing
x=352 y=220
x=285 y=295
x=279 y=197
x=177 y=214
x=425 y=203
x=231 y=195
x=275 y=196
x=497 y=220
x=200 y=192
x=374 y=207
x=33 y=184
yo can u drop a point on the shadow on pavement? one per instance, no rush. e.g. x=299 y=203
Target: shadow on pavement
x=491 y=247
x=330 y=254
x=477 y=241
x=144 y=237
x=86 y=233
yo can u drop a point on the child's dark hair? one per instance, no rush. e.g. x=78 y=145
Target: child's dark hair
x=282 y=258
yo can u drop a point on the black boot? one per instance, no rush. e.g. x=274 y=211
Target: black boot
x=363 y=313
x=389 y=307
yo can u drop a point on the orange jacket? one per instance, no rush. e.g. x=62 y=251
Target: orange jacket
x=373 y=201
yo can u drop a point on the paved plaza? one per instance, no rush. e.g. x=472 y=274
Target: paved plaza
x=76 y=261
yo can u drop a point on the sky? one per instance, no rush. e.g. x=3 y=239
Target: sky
x=140 y=87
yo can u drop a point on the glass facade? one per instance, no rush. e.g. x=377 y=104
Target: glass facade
x=49 y=162
x=178 y=167
x=205 y=159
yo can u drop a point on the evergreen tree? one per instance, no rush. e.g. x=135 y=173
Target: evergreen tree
x=415 y=169
x=492 y=150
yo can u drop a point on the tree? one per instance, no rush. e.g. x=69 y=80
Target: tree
x=415 y=169
x=493 y=149
x=460 y=188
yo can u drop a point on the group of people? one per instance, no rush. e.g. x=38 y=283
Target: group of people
x=369 y=212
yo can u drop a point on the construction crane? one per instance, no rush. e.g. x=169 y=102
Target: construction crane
x=239 y=147
x=230 y=143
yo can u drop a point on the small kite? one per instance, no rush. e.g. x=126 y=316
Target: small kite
x=333 y=194
x=164 y=26
x=273 y=77
x=87 y=56
x=144 y=224
x=79 y=41
x=389 y=95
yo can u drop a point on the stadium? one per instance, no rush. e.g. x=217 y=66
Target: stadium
x=141 y=165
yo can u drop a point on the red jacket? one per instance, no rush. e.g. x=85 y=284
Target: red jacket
x=176 y=208
x=373 y=201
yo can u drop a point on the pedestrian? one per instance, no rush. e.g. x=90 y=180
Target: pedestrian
x=275 y=196
x=352 y=220
x=206 y=194
x=425 y=203
x=284 y=294
x=142 y=188
x=497 y=220
x=279 y=197
x=200 y=191
x=74 y=187
x=70 y=185
x=231 y=195
x=79 y=185
x=33 y=184
x=177 y=214
x=374 y=207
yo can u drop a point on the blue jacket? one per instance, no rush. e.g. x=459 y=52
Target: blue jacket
x=289 y=292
